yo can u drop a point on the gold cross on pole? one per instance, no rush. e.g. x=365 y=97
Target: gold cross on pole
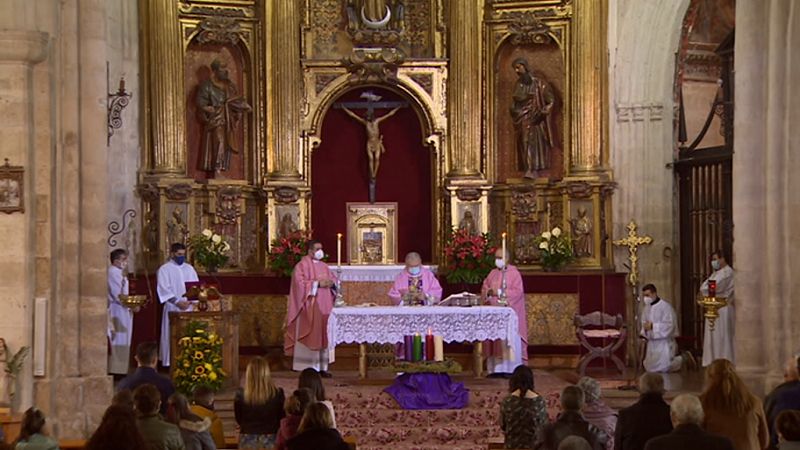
x=633 y=241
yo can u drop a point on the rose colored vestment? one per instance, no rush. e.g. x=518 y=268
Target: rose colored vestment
x=430 y=285
x=307 y=314
x=515 y=294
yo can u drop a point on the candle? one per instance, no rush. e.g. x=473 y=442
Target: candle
x=339 y=250
x=408 y=347
x=417 y=353
x=429 y=346
x=122 y=84
x=438 y=348
x=712 y=288
x=504 y=247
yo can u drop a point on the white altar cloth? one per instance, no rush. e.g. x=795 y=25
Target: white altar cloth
x=371 y=273
x=388 y=324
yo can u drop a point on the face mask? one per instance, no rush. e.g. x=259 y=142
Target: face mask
x=414 y=270
x=648 y=300
x=499 y=263
x=319 y=254
x=179 y=260
x=715 y=264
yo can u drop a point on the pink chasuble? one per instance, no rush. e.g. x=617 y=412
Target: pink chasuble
x=307 y=313
x=515 y=294
x=430 y=285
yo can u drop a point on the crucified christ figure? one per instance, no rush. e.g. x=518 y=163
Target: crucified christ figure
x=374 y=139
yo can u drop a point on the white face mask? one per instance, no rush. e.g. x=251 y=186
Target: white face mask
x=648 y=300
x=319 y=254
x=500 y=263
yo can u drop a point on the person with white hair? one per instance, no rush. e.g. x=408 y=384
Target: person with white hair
x=416 y=284
x=686 y=413
x=595 y=411
x=647 y=418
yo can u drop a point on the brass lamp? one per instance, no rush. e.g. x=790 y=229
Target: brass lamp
x=711 y=306
x=133 y=301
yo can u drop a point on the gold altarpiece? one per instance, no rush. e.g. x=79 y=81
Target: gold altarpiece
x=292 y=59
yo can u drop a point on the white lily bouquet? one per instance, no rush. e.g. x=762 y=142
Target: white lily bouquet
x=209 y=250
x=555 y=249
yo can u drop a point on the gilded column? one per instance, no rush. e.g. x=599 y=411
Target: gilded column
x=588 y=105
x=464 y=89
x=285 y=158
x=163 y=56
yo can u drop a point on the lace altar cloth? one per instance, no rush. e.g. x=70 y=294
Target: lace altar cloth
x=388 y=324
x=371 y=273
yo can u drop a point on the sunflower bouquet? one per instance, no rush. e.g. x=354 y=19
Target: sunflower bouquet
x=199 y=359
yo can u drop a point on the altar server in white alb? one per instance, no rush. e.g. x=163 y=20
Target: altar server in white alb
x=120 y=318
x=718 y=344
x=172 y=279
x=659 y=328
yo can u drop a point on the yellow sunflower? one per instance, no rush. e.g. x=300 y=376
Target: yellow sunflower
x=199 y=370
x=212 y=376
x=198 y=355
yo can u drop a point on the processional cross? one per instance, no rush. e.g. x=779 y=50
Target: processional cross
x=633 y=241
x=375 y=146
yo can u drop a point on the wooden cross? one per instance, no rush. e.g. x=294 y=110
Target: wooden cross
x=633 y=241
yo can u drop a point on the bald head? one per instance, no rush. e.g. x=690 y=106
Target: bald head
x=414 y=263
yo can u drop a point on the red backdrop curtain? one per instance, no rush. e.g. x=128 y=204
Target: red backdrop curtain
x=339 y=174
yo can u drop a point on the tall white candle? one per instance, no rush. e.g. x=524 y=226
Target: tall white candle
x=339 y=249
x=504 y=247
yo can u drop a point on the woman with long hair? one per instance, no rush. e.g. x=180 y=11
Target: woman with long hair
x=312 y=380
x=194 y=429
x=31 y=433
x=316 y=431
x=117 y=431
x=731 y=410
x=523 y=411
x=258 y=407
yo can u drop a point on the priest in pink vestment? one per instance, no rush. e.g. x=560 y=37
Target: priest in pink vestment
x=499 y=359
x=310 y=303
x=416 y=278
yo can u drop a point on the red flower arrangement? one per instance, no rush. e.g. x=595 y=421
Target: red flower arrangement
x=468 y=257
x=287 y=251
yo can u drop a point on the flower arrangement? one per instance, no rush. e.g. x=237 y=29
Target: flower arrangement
x=199 y=359
x=555 y=249
x=209 y=250
x=468 y=257
x=287 y=251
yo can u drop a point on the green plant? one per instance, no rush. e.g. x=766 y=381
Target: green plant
x=555 y=249
x=469 y=257
x=209 y=250
x=14 y=365
x=287 y=251
x=199 y=359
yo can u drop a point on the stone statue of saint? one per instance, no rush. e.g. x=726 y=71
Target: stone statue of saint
x=468 y=223
x=221 y=109
x=374 y=139
x=287 y=225
x=532 y=105
x=582 y=232
x=177 y=230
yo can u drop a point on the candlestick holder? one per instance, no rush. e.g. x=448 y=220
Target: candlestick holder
x=339 y=300
x=502 y=297
x=711 y=307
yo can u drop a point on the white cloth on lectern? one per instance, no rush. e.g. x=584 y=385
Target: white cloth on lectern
x=661 y=345
x=172 y=279
x=120 y=323
x=718 y=344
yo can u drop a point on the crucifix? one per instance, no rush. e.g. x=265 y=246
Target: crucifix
x=375 y=146
x=633 y=241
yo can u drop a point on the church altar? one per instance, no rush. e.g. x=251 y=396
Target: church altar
x=223 y=323
x=388 y=325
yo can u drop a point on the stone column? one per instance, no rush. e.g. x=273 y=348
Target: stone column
x=19 y=51
x=766 y=212
x=464 y=88
x=163 y=72
x=285 y=152
x=588 y=117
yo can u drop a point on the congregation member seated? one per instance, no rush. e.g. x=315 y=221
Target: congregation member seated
x=647 y=418
x=787 y=425
x=203 y=406
x=570 y=423
x=194 y=429
x=574 y=443
x=123 y=398
x=491 y=291
x=523 y=411
x=258 y=407
x=32 y=435
x=316 y=431
x=595 y=411
x=731 y=410
x=145 y=373
x=158 y=434
x=312 y=380
x=686 y=413
x=785 y=396
x=295 y=407
x=117 y=430
x=415 y=285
